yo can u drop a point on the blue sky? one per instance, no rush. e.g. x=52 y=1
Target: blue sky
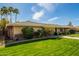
x=53 y=13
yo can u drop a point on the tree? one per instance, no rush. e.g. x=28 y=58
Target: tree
x=5 y=11
x=28 y=32
x=70 y=23
x=1 y=12
x=3 y=23
x=16 y=11
x=10 y=13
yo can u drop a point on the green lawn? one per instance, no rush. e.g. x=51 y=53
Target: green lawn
x=62 y=47
x=74 y=35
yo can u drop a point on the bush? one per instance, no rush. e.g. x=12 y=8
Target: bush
x=36 y=34
x=55 y=33
x=27 y=32
x=72 y=31
x=40 y=33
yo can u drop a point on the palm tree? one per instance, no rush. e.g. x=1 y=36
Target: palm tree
x=5 y=11
x=1 y=12
x=16 y=11
x=10 y=13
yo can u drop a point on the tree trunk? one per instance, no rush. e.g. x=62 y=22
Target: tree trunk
x=1 y=17
x=15 y=17
x=10 y=18
x=6 y=16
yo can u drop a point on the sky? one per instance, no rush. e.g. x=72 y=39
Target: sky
x=52 y=13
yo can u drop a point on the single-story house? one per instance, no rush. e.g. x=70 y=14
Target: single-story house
x=14 y=29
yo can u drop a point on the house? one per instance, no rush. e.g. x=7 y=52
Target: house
x=14 y=29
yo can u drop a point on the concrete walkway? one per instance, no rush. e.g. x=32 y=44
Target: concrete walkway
x=70 y=37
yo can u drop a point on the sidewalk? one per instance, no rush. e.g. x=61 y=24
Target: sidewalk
x=70 y=37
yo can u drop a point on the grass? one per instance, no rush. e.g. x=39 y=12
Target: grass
x=74 y=35
x=51 y=47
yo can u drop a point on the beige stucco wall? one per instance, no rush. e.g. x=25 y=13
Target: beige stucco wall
x=10 y=31
x=17 y=30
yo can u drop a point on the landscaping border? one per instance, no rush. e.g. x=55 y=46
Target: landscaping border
x=34 y=39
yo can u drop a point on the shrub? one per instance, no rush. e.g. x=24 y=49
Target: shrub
x=28 y=32
x=36 y=34
x=55 y=33
x=72 y=31
x=40 y=32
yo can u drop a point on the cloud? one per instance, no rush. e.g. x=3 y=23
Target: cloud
x=45 y=8
x=48 y=6
x=38 y=15
x=52 y=19
x=34 y=9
